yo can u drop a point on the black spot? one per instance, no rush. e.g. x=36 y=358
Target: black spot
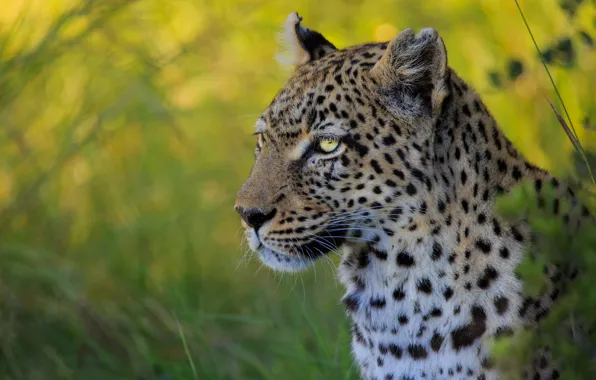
x=517 y=174
x=351 y=302
x=417 y=351
x=538 y=185
x=504 y=252
x=425 y=286
x=554 y=182
x=463 y=177
x=396 y=351
x=481 y=218
x=376 y=166
x=483 y=245
x=388 y=158
x=378 y=303
x=436 y=341
x=411 y=189
x=482 y=129
x=516 y=234
x=466 y=335
x=423 y=208
x=437 y=251
x=357 y=334
x=404 y=259
x=362 y=259
x=388 y=232
x=389 y=140
x=399 y=294
x=465 y=205
x=399 y=174
x=351 y=143
x=395 y=214
x=496 y=227
x=448 y=293
x=418 y=175
x=381 y=255
x=466 y=110
x=490 y=274
x=501 y=304
x=402 y=319
x=502 y=166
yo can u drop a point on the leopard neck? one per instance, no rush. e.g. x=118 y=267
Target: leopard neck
x=419 y=284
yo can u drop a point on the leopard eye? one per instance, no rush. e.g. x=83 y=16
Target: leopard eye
x=328 y=144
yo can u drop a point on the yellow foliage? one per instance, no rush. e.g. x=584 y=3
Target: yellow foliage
x=385 y=32
x=5 y=187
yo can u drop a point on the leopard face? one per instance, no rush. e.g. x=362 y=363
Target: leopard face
x=336 y=147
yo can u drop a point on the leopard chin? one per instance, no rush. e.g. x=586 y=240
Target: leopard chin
x=283 y=262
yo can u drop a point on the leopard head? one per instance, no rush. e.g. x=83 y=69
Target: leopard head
x=341 y=149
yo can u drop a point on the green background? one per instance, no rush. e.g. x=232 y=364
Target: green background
x=125 y=132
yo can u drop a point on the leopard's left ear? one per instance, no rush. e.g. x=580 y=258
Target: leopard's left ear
x=412 y=73
x=300 y=45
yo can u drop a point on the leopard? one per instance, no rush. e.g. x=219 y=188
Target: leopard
x=381 y=153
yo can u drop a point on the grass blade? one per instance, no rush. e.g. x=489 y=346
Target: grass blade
x=568 y=131
x=186 y=350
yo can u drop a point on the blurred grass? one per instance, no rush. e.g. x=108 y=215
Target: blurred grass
x=124 y=134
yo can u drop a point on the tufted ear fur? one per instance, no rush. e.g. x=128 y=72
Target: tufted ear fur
x=411 y=75
x=300 y=45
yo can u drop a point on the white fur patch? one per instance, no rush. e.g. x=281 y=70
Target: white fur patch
x=299 y=149
x=261 y=126
x=290 y=51
x=284 y=263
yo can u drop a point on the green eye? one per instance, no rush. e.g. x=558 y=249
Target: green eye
x=328 y=144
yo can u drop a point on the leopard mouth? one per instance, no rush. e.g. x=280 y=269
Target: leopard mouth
x=304 y=255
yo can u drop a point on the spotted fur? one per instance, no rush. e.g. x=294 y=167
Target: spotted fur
x=408 y=198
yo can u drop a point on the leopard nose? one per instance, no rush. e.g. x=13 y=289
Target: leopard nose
x=255 y=217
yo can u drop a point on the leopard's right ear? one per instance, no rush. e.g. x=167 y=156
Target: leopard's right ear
x=412 y=72
x=300 y=45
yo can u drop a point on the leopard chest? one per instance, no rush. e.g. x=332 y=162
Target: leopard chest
x=417 y=312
